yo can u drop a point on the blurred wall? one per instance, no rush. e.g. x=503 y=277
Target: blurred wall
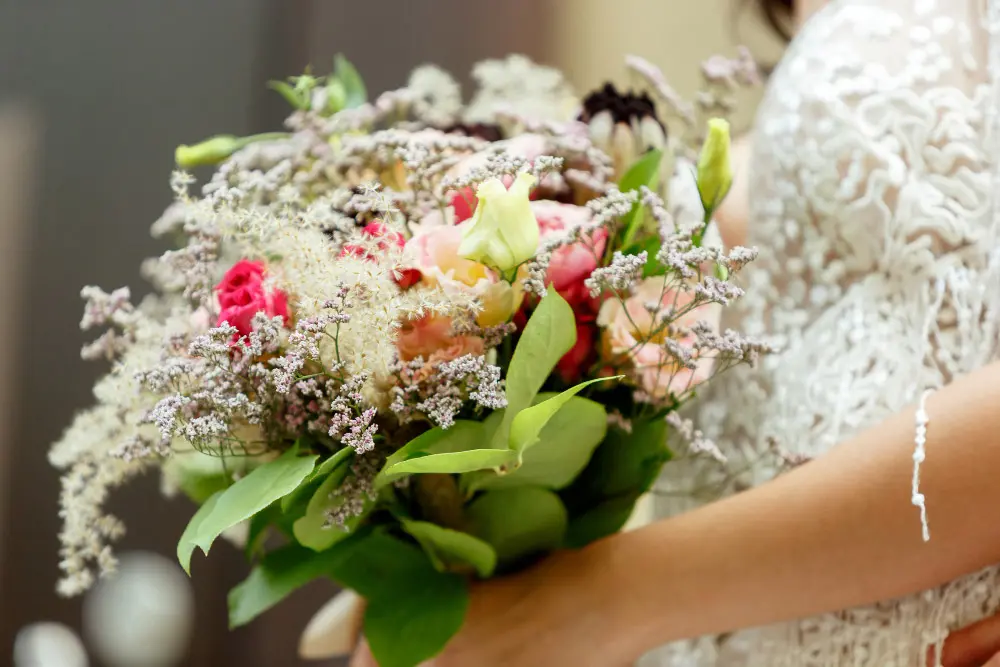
x=114 y=86
x=591 y=38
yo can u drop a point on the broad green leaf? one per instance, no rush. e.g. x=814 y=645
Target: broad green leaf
x=276 y=576
x=452 y=450
x=549 y=334
x=624 y=464
x=519 y=522
x=338 y=462
x=413 y=610
x=527 y=424
x=452 y=550
x=601 y=521
x=246 y=497
x=645 y=171
x=416 y=621
x=185 y=546
x=622 y=468
x=565 y=446
x=257 y=530
x=291 y=95
x=453 y=462
x=651 y=245
x=354 y=85
x=336 y=96
x=312 y=531
x=200 y=488
x=462 y=436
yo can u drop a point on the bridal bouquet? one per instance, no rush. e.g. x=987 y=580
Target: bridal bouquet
x=414 y=341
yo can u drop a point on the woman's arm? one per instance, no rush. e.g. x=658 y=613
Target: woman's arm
x=836 y=533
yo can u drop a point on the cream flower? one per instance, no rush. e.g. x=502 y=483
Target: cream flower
x=503 y=233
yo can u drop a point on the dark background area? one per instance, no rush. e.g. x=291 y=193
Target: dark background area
x=115 y=86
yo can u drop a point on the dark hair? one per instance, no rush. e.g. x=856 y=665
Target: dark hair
x=778 y=14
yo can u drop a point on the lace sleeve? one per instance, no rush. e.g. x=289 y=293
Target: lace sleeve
x=873 y=189
x=872 y=178
x=894 y=165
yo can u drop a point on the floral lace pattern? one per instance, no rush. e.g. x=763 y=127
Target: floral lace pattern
x=872 y=178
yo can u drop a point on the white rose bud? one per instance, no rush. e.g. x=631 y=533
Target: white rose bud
x=715 y=172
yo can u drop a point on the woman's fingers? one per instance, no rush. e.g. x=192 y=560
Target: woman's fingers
x=363 y=656
x=977 y=645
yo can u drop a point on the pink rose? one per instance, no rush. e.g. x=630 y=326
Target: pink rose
x=572 y=264
x=242 y=294
x=633 y=338
x=384 y=239
x=572 y=365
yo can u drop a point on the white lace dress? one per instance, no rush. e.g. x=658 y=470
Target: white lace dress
x=871 y=203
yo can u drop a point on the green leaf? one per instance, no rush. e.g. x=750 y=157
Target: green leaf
x=335 y=96
x=312 y=531
x=243 y=499
x=338 y=462
x=452 y=550
x=354 y=85
x=453 y=462
x=651 y=245
x=605 y=519
x=291 y=95
x=443 y=450
x=645 y=171
x=257 y=531
x=519 y=522
x=549 y=334
x=622 y=468
x=527 y=424
x=565 y=446
x=413 y=610
x=185 y=546
x=276 y=576
x=416 y=622
x=200 y=488
x=461 y=436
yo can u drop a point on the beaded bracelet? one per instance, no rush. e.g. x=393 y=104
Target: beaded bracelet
x=919 y=454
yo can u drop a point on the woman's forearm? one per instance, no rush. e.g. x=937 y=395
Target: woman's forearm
x=836 y=533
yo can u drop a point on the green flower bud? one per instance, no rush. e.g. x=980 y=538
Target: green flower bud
x=215 y=150
x=210 y=151
x=503 y=233
x=715 y=172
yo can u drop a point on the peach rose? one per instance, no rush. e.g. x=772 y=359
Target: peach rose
x=430 y=338
x=434 y=252
x=629 y=330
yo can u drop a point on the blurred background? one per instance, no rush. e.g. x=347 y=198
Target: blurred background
x=94 y=97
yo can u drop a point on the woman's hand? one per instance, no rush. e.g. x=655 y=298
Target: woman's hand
x=977 y=645
x=551 y=614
